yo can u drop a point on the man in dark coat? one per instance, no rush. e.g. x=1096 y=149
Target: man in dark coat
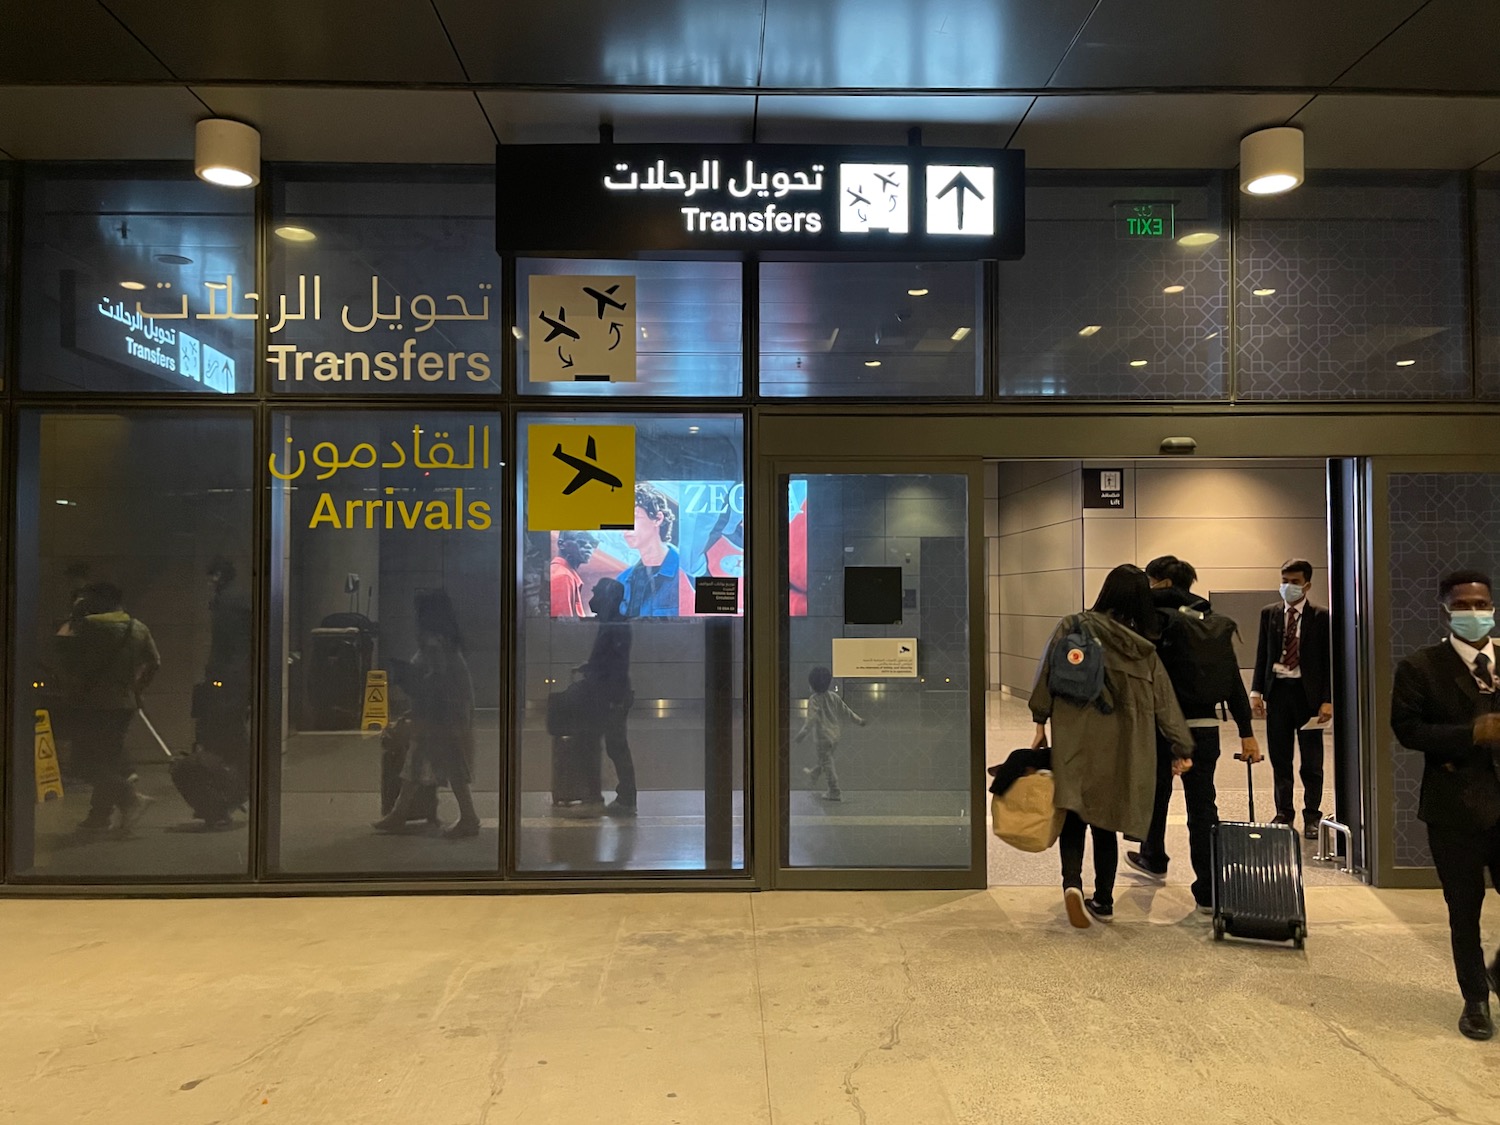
x=1443 y=705
x=1293 y=684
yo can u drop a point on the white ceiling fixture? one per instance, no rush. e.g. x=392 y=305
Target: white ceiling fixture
x=226 y=152
x=1271 y=161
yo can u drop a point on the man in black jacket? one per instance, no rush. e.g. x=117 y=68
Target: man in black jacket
x=1171 y=589
x=1292 y=685
x=1443 y=704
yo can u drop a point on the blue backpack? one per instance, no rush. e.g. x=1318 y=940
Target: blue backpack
x=1076 y=667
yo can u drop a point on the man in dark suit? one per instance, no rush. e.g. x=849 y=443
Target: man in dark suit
x=1292 y=684
x=1443 y=704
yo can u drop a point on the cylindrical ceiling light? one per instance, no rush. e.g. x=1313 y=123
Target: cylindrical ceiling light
x=227 y=153
x=1271 y=161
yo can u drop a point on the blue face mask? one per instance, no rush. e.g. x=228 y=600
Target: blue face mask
x=1291 y=592
x=1472 y=625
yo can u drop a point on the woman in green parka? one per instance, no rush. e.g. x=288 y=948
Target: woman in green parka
x=1104 y=752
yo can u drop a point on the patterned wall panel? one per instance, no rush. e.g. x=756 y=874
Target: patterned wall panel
x=1438 y=522
x=1354 y=286
x=1085 y=314
x=1487 y=282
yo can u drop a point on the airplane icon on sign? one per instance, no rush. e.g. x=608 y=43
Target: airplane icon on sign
x=587 y=468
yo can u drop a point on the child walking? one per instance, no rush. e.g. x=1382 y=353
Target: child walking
x=825 y=719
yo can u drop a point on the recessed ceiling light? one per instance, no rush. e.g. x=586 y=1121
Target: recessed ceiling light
x=1405 y=362
x=1137 y=363
x=692 y=429
x=1263 y=292
x=1174 y=288
x=132 y=285
x=226 y=177
x=959 y=334
x=1089 y=329
x=644 y=336
x=1198 y=238
x=173 y=260
x=296 y=234
x=872 y=363
x=916 y=292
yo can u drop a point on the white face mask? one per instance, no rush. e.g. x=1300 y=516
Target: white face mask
x=1292 y=592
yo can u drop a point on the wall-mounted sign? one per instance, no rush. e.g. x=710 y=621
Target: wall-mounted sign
x=1145 y=221
x=582 y=329
x=1104 y=488
x=580 y=478
x=715 y=594
x=783 y=200
x=882 y=658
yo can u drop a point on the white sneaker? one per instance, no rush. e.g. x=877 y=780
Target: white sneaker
x=1077 y=913
x=130 y=816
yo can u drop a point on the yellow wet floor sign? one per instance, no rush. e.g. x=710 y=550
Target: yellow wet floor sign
x=48 y=778
x=377 y=710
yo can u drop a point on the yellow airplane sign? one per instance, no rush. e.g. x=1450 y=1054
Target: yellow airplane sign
x=580 y=478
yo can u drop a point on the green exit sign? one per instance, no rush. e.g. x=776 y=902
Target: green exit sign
x=1145 y=220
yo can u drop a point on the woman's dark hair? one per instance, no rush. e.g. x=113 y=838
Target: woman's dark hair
x=820 y=679
x=1126 y=596
x=435 y=617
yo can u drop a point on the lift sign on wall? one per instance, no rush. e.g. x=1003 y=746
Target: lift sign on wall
x=880 y=202
x=1104 y=488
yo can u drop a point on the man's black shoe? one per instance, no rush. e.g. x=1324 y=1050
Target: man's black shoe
x=1103 y=912
x=1310 y=830
x=1135 y=862
x=1476 y=1022
x=1283 y=818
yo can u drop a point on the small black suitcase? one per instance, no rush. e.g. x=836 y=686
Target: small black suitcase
x=1258 y=879
x=211 y=789
x=575 y=770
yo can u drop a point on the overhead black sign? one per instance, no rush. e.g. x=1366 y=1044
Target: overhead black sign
x=613 y=200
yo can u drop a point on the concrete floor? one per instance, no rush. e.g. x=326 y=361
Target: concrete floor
x=784 y=1008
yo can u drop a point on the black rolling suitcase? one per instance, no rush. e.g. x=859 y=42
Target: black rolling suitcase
x=1258 y=879
x=575 y=769
x=211 y=789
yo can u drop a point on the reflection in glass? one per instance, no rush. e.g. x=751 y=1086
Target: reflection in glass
x=136 y=285
x=688 y=339
x=385 y=641
x=884 y=330
x=631 y=723
x=1331 y=306
x=384 y=281
x=877 y=766
x=133 y=531
x=1123 y=292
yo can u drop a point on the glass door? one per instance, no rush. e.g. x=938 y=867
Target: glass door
x=879 y=724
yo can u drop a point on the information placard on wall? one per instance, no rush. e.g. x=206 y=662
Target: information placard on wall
x=882 y=658
x=881 y=202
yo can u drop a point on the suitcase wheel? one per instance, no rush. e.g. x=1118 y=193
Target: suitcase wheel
x=1218 y=929
x=1299 y=936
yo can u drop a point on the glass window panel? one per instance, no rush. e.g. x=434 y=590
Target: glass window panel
x=385 y=281
x=879 y=330
x=667 y=683
x=1487 y=289
x=4 y=271
x=1094 y=310
x=150 y=504
x=386 y=533
x=688 y=338
x=903 y=778
x=134 y=283
x=1354 y=286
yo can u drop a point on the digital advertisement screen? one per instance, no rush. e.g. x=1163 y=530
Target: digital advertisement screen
x=682 y=530
x=796 y=547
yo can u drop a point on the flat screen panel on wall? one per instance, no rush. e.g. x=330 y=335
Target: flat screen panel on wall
x=884 y=202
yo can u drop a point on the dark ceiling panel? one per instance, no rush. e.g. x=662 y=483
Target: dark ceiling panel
x=591 y=42
x=980 y=120
x=563 y=117
x=70 y=41
x=907 y=45
x=1448 y=45
x=1132 y=43
x=1395 y=132
x=98 y=122
x=332 y=40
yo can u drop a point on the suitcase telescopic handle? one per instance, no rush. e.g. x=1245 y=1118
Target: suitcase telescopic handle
x=1249 y=782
